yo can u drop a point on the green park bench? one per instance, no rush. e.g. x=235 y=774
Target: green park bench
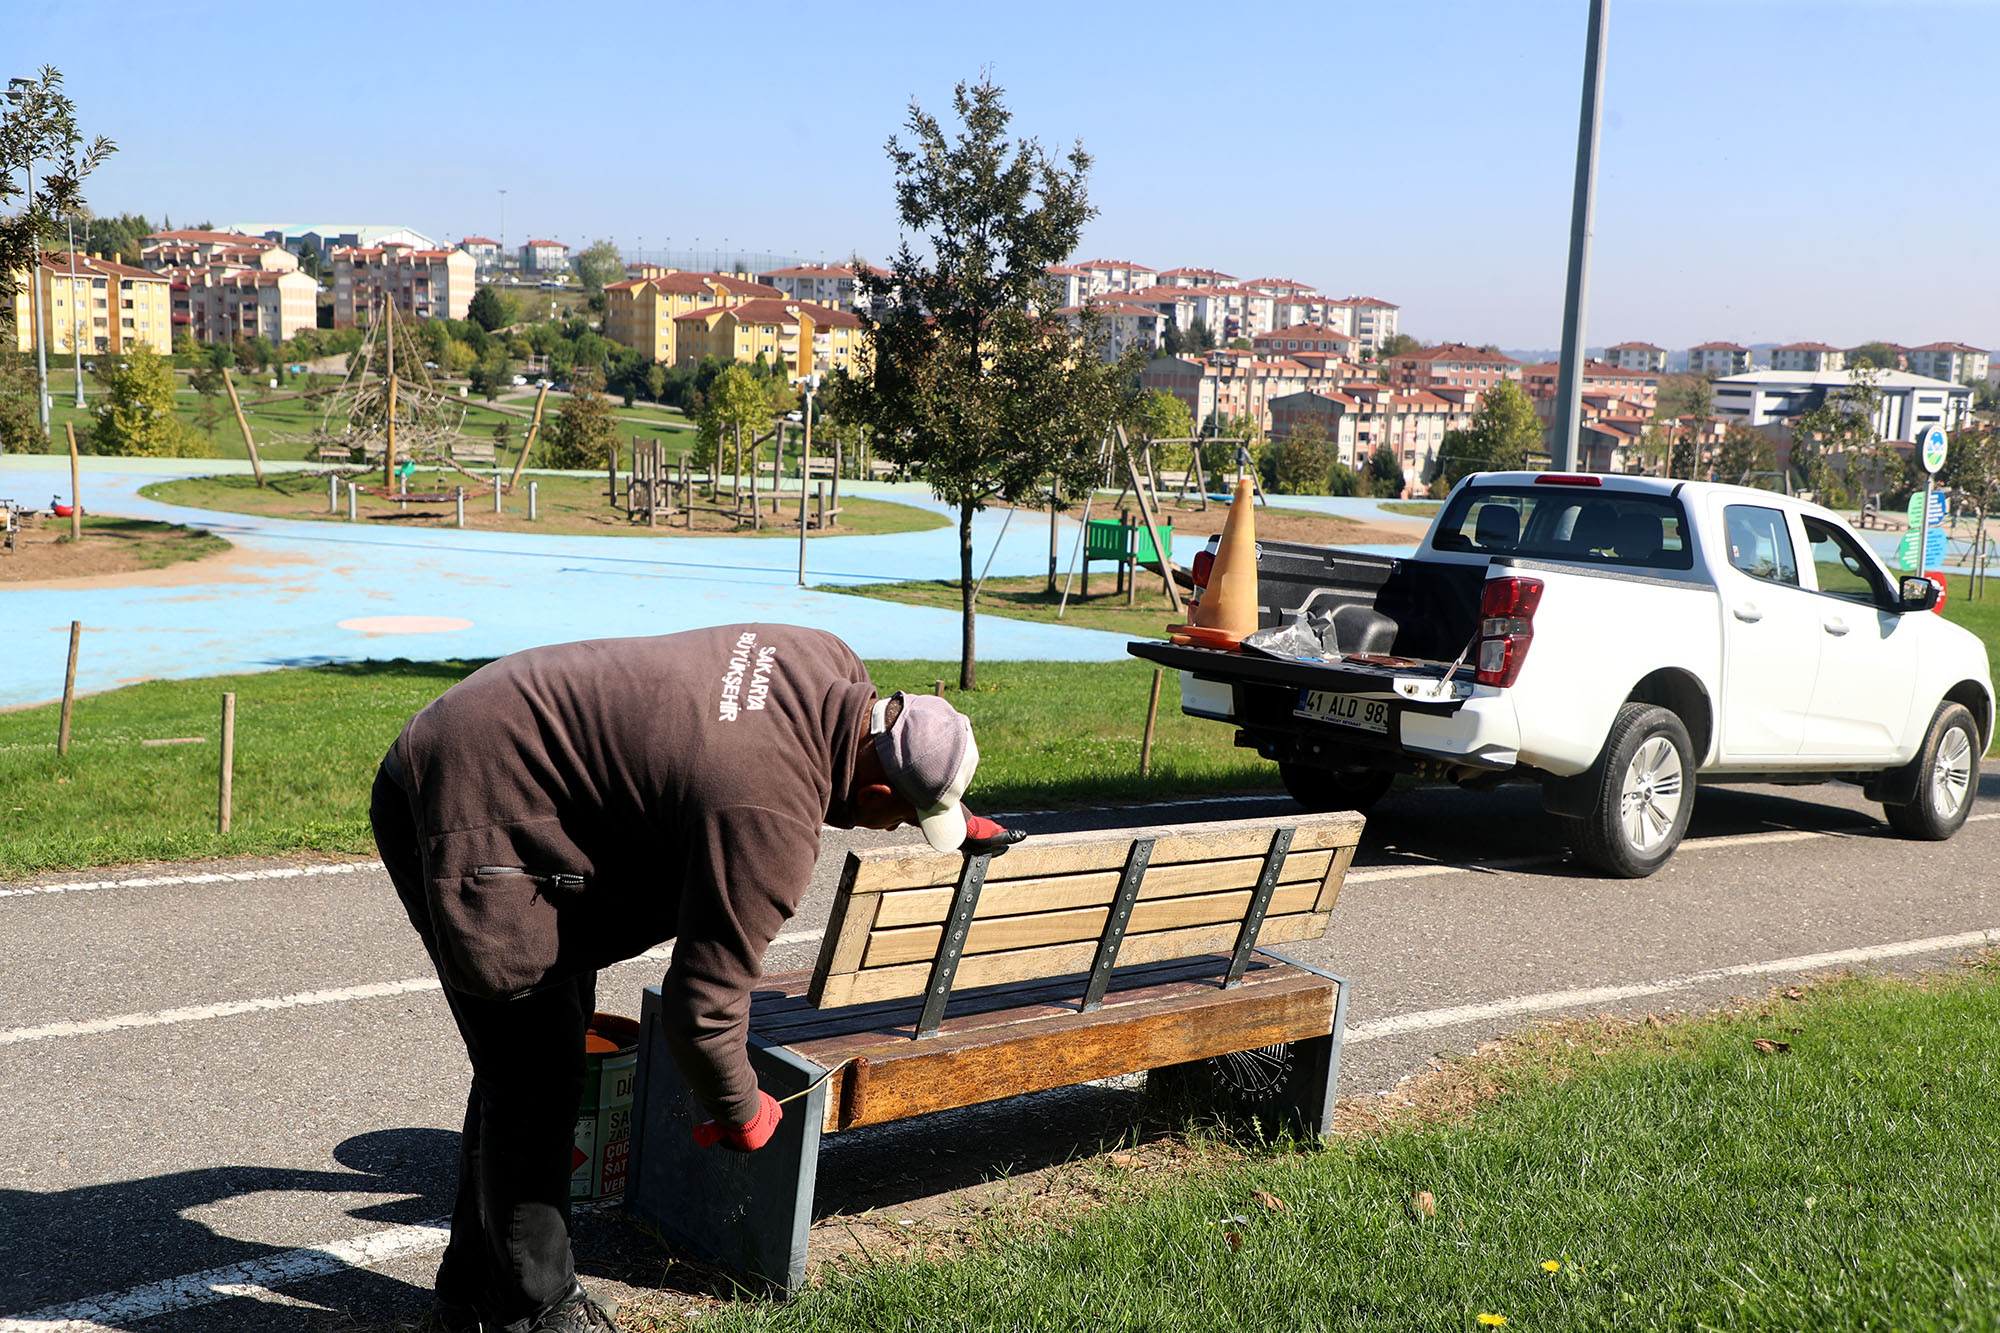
x=946 y=981
x=1126 y=544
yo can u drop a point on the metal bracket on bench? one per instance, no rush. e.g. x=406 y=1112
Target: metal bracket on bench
x=1114 y=925
x=1260 y=903
x=944 y=967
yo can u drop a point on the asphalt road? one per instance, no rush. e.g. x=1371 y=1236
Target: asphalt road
x=233 y=1103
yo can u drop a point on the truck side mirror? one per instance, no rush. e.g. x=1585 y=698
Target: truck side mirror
x=1917 y=593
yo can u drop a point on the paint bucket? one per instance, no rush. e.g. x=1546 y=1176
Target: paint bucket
x=604 y=1122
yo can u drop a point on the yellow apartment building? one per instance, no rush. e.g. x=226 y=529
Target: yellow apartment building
x=641 y=312
x=102 y=306
x=808 y=338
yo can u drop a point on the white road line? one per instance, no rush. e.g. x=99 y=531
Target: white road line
x=1431 y=1019
x=210 y=877
x=121 y=1309
x=196 y=1013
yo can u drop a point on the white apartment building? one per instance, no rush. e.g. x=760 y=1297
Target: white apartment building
x=1369 y=321
x=1637 y=356
x=425 y=284
x=832 y=285
x=205 y=249
x=1955 y=362
x=545 y=257
x=485 y=251
x=216 y=305
x=1126 y=325
x=1115 y=275
x=1193 y=277
x=1718 y=359
x=1910 y=403
x=1808 y=357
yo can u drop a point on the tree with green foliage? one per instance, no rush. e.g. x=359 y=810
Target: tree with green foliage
x=134 y=417
x=20 y=425
x=972 y=383
x=38 y=124
x=1385 y=473
x=1743 y=451
x=491 y=310
x=1301 y=463
x=1398 y=344
x=1505 y=433
x=583 y=432
x=735 y=400
x=599 y=265
x=1836 y=438
x=310 y=262
x=1877 y=354
x=1198 y=339
x=1159 y=415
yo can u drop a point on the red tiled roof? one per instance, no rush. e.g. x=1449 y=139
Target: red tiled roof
x=60 y=261
x=1115 y=263
x=1634 y=347
x=1063 y=271
x=1458 y=352
x=1280 y=282
x=1197 y=273
x=557 y=244
x=208 y=238
x=1960 y=348
x=1366 y=301
x=1305 y=331
x=1718 y=347
x=478 y=240
x=1805 y=347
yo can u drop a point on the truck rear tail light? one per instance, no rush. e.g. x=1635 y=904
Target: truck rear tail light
x=1204 y=561
x=1506 y=627
x=1569 y=479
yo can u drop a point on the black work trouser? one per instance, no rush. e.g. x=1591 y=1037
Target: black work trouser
x=509 y=1256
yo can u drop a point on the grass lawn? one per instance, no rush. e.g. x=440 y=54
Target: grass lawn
x=1413 y=508
x=1818 y=1162
x=1027 y=598
x=307 y=742
x=575 y=504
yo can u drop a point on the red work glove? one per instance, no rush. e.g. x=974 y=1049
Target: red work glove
x=743 y=1138
x=983 y=837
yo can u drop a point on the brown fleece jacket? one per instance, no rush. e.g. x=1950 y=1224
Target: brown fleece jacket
x=580 y=803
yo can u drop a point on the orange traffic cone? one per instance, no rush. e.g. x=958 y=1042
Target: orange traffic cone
x=1227 y=609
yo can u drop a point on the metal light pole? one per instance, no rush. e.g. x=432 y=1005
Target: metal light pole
x=19 y=92
x=75 y=319
x=503 y=228
x=1569 y=382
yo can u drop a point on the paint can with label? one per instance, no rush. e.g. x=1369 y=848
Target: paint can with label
x=604 y=1122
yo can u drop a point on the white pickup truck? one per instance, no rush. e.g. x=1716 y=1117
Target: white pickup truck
x=1612 y=639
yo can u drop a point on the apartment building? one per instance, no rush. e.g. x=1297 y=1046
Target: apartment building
x=1126 y=325
x=806 y=338
x=1452 y=366
x=641 y=312
x=324 y=237
x=1639 y=388
x=1718 y=359
x=1284 y=287
x=833 y=285
x=485 y=251
x=545 y=257
x=1637 y=356
x=1114 y=275
x=1908 y=404
x=1236 y=383
x=94 y=304
x=425 y=284
x=1193 y=277
x=1808 y=357
x=1953 y=362
x=221 y=249
x=217 y=305
x=1361 y=418
x=1298 y=338
x=1369 y=321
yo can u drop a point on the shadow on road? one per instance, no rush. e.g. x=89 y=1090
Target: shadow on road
x=99 y=1240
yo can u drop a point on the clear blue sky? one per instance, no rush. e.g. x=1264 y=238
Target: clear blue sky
x=1771 y=170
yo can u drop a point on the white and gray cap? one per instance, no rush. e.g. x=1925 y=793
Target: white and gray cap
x=929 y=756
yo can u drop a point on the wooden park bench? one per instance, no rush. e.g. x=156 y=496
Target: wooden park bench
x=945 y=981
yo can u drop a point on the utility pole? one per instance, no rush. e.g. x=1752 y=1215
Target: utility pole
x=1569 y=382
x=75 y=314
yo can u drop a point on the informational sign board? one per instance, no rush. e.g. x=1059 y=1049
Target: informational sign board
x=1915 y=511
x=1932 y=446
x=1906 y=554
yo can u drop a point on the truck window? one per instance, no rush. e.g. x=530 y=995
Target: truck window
x=1543 y=522
x=1760 y=544
x=1841 y=567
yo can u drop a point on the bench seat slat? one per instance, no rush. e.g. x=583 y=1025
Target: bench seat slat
x=1025 y=964
x=1003 y=1058
x=909 y=944
x=880 y=869
x=1051 y=893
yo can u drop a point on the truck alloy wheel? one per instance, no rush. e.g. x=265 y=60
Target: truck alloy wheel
x=1645 y=794
x=1947 y=775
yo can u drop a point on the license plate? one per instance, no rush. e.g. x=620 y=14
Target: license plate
x=1349 y=710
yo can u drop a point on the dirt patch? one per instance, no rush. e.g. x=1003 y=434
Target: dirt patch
x=1283 y=525
x=112 y=552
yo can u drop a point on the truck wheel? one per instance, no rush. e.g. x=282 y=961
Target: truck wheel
x=1322 y=789
x=1645 y=794
x=1947 y=775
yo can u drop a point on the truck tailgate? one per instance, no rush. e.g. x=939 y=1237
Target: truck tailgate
x=1417 y=685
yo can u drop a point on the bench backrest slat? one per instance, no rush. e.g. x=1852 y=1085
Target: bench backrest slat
x=1044 y=905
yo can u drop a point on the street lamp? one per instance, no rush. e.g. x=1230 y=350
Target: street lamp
x=21 y=93
x=805 y=463
x=75 y=318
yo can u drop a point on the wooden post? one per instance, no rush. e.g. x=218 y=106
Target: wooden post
x=75 y=495
x=227 y=782
x=527 y=445
x=534 y=495
x=938 y=688
x=1152 y=714
x=838 y=462
x=611 y=450
x=249 y=440
x=1152 y=523
x=69 y=687
x=1054 y=559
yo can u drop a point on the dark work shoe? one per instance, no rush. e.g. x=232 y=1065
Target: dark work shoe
x=576 y=1312
x=451 y=1317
